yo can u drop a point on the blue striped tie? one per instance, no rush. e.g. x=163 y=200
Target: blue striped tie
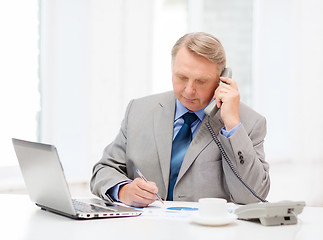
x=179 y=148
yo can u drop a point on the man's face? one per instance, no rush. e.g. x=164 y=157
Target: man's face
x=194 y=79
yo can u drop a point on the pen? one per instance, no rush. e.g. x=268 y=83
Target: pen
x=143 y=177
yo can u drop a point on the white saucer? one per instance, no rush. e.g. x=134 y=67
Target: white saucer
x=196 y=218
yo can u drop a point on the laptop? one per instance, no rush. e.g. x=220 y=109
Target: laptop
x=47 y=187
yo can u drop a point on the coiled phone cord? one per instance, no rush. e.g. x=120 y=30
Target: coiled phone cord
x=218 y=143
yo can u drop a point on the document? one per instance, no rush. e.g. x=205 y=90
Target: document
x=171 y=210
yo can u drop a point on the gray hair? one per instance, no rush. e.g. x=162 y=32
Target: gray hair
x=202 y=44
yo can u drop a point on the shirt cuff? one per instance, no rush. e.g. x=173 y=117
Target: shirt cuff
x=229 y=133
x=114 y=191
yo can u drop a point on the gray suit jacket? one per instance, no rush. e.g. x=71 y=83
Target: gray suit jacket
x=145 y=142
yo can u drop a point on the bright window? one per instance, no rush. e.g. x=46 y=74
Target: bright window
x=19 y=95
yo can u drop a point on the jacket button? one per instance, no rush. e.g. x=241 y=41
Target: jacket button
x=241 y=159
x=239 y=153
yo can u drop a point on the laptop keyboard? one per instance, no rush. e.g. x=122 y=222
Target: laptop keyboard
x=90 y=208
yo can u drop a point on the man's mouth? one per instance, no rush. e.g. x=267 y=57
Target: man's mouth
x=189 y=99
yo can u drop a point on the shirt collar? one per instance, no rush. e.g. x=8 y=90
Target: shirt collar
x=181 y=110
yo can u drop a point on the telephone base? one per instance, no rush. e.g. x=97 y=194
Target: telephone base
x=275 y=221
x=271 y=214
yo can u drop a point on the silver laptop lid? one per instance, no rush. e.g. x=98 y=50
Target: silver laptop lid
x=44 y=175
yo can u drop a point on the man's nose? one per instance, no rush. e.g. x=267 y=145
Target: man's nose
x=190 y=87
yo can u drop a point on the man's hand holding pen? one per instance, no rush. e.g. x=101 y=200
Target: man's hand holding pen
x=138 y=193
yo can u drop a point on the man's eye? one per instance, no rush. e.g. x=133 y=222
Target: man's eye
x=183 y=78
x=200 y=82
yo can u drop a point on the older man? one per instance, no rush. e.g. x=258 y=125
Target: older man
x=165 y=136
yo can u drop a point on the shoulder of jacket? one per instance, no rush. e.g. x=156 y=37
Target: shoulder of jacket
x=148 y=103
x=246 y=110
x=156 y=97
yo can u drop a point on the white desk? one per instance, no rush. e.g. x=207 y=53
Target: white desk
x=35 y=224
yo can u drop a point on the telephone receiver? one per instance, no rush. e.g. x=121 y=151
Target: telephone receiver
x=211 y=109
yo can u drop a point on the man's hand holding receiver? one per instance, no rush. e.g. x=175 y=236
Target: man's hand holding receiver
x=227 y=98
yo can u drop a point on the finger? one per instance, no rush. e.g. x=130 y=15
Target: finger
x=221 y=90
x=141 y=202
x=218 y=103
x=218 y=99
x=146 y=186
x=225 y=80
x=223 y=95
x=229 y=81
x=145 y=190
x=138 y=201
x=131 y=194
x=134 y=197
x=146 y=195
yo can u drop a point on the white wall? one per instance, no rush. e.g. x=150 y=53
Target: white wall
x=19 y=93
x=273 y=23
x=288 y=82
x=307 y=82
x=64 y=55
x=288 y=62
x=95 y=56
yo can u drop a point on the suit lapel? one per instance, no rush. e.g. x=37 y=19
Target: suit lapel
x=163 y=127
x=200 y=141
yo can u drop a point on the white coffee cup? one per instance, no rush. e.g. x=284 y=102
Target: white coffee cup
x=213 y=207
